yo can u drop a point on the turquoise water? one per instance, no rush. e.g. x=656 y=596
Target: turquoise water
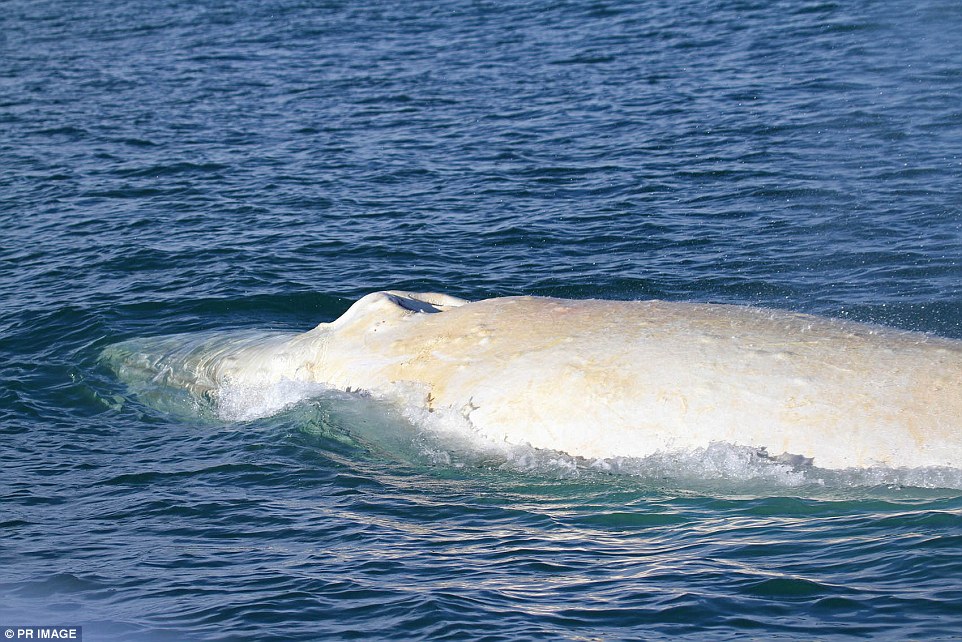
x=182 y=167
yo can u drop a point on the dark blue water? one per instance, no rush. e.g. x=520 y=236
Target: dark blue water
x=179 y=167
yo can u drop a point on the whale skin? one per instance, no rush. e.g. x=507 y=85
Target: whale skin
x=603 y=379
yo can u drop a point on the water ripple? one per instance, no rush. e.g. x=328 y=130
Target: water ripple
x=182 y=167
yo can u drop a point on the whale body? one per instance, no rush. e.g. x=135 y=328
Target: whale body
x=604 y=379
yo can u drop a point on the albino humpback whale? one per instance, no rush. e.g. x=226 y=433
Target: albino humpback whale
x=600 y=379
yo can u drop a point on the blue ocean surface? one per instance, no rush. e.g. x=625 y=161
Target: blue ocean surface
x=184 y=167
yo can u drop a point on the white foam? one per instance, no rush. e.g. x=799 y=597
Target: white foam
x=247 y=403
x=893 y=478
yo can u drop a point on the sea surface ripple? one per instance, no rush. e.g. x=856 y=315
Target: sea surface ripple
x=176 y=166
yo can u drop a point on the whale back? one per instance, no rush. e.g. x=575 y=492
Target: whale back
x=611 y=378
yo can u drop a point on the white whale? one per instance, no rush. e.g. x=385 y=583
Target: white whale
x=604 y=379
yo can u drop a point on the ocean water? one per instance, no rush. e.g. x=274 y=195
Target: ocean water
x=183 y=167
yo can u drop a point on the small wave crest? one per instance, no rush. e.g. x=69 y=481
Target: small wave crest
x=247 y=403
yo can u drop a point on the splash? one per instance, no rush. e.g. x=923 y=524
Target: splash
x=249 y=403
